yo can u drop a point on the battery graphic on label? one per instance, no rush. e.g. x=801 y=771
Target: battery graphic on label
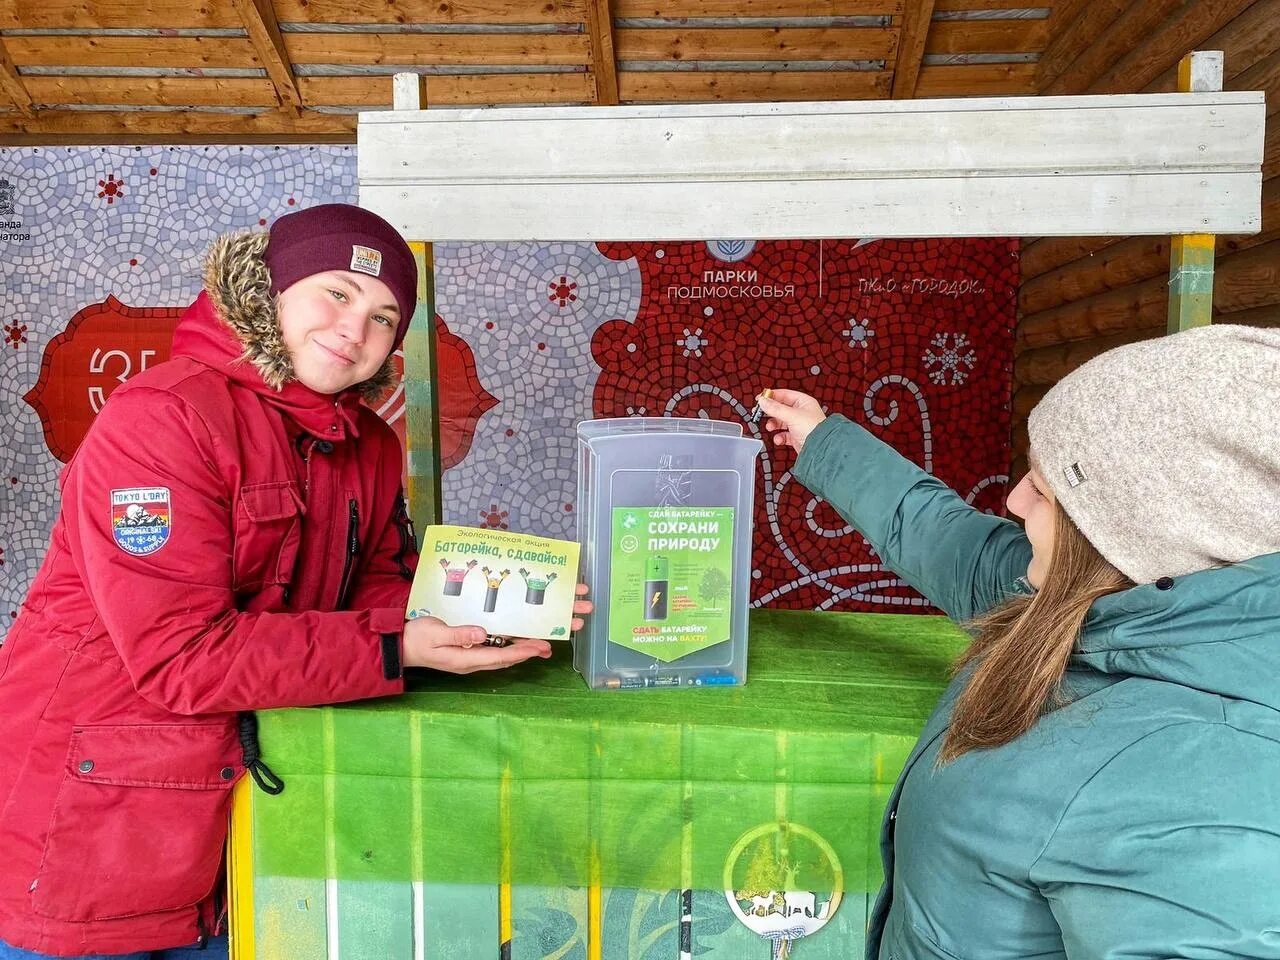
x=454 y=577
x=535 y=588
x=655 y=589
x=493 y=580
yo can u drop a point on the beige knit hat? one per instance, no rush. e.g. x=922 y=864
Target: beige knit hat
x=1166 y=453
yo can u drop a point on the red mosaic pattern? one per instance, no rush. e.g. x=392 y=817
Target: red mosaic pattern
x=106 y=343
x=110 y=188
x=861 y=321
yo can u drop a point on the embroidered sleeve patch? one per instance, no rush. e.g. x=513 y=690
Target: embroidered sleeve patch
x=141 y=519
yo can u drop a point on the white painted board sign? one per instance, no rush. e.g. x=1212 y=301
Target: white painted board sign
x=1024 y=166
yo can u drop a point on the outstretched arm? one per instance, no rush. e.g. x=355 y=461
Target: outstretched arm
x=963 y=560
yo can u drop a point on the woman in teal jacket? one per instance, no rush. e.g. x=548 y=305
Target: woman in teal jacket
x=1102 y=778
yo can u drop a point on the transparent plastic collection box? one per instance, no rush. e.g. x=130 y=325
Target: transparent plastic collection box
x=665 y=517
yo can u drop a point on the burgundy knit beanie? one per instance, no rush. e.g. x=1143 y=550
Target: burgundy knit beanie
x=340 y=236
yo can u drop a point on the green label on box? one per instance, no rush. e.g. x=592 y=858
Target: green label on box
x=671 y=579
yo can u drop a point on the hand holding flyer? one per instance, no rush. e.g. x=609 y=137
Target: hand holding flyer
x=538 y=603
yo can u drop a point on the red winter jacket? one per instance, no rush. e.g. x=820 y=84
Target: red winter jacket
x=223 y=546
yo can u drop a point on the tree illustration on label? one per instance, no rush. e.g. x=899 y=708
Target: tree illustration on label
x=714 y=586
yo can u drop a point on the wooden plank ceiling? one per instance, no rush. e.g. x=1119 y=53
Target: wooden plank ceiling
x=138 y=70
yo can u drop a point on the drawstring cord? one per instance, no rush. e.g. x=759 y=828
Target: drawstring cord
x=261 y=773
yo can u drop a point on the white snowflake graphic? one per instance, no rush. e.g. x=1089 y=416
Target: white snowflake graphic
x=859 y=333
x=692 y=342
x=947 y=366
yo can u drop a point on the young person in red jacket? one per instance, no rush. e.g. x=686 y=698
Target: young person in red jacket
x=232 y=537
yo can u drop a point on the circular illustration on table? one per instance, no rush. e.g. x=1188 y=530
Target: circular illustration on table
x=783 y=881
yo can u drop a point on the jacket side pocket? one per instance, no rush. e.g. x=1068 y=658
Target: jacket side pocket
x=139 y=821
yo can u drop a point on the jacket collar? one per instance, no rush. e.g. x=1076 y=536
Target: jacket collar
x=1216 y=630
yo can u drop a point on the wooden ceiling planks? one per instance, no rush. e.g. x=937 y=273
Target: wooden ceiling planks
x=187 y=126
x=172 y=92
x=1263 y=75
x=495 y=89
x=116 y=15
x=1075 y=28
x=689 y=86
x=739 y=9
x=409 y=12
x=987 y=36
x=758 y=43
x=329 y=58
x=439 y=49
x=977 y=80
x=126 y=51
x=1244 y=41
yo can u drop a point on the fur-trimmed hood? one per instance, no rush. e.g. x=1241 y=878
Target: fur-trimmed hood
x=238 y=283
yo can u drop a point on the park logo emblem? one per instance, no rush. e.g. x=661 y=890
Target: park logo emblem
x=784 y=882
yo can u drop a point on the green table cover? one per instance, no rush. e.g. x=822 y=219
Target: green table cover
x=403 y=820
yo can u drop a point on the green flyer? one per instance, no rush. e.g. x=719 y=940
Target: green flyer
x=670 y=589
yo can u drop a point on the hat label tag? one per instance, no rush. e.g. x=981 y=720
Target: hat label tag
x=1075 y=475
x=366 y=260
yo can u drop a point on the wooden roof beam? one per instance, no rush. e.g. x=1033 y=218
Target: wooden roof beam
x=1188 y=29
x=264 y=33
x=1128 y=30
x=916 y=17
x=11 y=83
x=604 y=61
x=1074 y=28
x=1246 y=41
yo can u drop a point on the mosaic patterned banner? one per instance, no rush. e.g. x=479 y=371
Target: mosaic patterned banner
x=112 y=236
x=911 y=338
x=100 y=248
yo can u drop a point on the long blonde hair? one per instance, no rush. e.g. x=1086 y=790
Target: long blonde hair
x=1021 y=648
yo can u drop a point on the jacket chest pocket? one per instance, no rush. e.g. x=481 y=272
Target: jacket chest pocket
x=268 y=533
x=139 y=821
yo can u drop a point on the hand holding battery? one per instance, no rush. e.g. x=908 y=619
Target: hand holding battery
x=430 y=642
x=792 y=415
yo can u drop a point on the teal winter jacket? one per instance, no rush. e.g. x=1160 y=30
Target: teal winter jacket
x=1139 y=821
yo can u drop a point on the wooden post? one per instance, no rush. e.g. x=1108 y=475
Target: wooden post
x=422 y=397
x=1191 y=255
x=421 y=394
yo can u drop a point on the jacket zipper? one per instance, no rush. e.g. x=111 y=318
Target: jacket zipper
x=408 y=539
x=353 y=550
